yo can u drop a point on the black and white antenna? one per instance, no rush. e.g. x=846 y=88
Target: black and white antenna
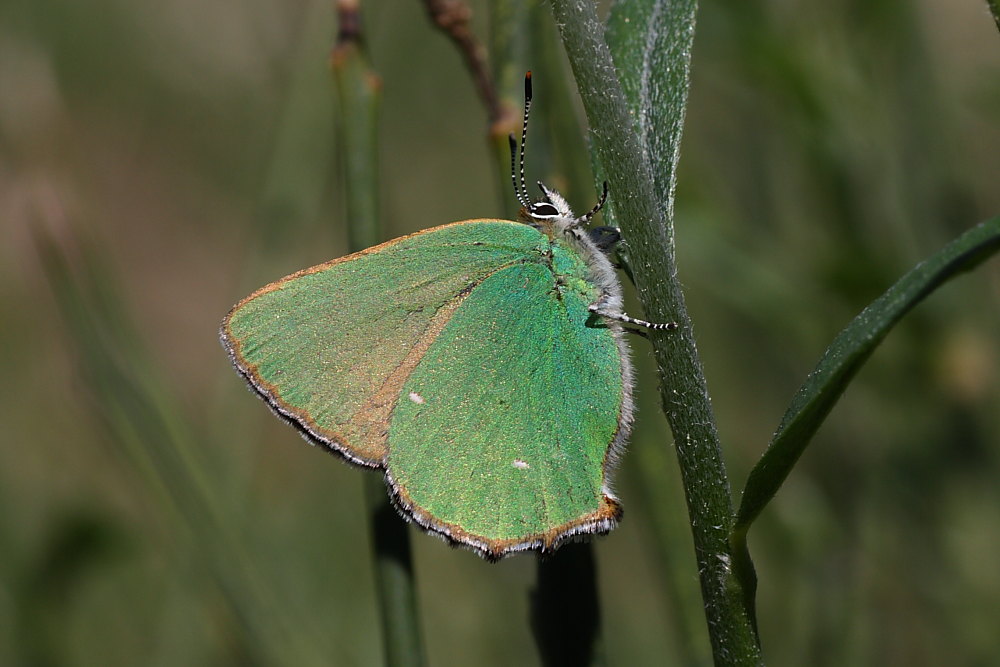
x=553 y=205
x=586 y=217
x=517 y=156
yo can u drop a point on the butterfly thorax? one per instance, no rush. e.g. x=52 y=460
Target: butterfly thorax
x=553 y=217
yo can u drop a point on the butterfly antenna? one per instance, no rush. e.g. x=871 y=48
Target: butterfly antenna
x=523 y=192
x=513 y=172
x=585 y=218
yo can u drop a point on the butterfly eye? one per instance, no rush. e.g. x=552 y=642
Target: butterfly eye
x=543 y=210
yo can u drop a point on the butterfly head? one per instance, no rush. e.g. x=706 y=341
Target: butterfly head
x=552 y=208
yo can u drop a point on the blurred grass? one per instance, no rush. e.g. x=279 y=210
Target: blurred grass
x=827 y=149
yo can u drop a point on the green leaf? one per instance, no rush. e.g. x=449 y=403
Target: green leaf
x=845 y=356
x=650 y=42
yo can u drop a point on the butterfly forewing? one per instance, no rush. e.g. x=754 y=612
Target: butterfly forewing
x=323 y=346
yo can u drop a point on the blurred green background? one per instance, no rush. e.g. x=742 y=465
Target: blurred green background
x=158 y=161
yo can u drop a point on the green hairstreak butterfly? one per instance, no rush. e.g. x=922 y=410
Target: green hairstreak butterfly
x=481 y=365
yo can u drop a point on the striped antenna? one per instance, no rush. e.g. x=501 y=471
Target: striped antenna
x=524 y=127
x=519 y=188
x=513 y=172
x=585 y=218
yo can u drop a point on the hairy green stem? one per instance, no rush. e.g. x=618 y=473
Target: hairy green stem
x=648 y=230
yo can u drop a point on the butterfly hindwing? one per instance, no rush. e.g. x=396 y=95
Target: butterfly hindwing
x=502 y=432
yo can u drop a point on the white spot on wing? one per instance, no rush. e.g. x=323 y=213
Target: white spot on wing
x=520 y=465
x=416 y=398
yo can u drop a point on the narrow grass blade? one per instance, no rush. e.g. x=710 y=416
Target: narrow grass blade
x=845 y=356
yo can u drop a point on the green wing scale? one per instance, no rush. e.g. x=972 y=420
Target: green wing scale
x=463 y=361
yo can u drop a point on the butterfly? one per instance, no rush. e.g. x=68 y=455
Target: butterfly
x=481 y=365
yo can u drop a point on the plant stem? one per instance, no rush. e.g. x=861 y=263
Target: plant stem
x=358 y=95
x=394 y=581
x=565 y=610
x=648 y=230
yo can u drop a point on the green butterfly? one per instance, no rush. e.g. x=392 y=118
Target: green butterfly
x=482 y=365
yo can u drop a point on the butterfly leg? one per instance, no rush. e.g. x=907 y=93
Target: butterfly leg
x=599 y=308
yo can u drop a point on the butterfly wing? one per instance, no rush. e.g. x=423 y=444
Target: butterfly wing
x=459 y=362
x=502 y=433
x=329 y=347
